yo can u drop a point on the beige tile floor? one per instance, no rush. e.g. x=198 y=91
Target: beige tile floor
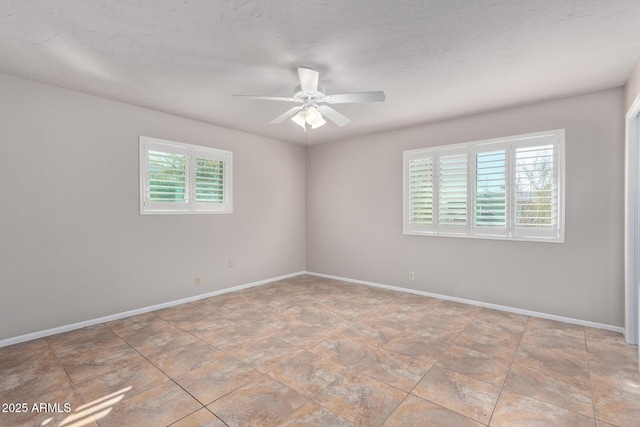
x=317 y=352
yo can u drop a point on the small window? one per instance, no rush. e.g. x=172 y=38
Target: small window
x=506 y=188
x=180 y=178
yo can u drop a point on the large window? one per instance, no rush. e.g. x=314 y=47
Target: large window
x=178 y=178
x=506 y=188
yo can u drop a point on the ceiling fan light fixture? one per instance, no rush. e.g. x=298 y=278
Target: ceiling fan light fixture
x=310 y=116
x=318 y=123
x=313 y=117
x=299 y=119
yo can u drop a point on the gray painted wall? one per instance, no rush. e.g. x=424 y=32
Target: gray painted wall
x=632 y=88
x=73 y=246
x=354 y=215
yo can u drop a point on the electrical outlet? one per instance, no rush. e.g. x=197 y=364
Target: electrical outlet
x=411 y=275
x=230 y=263
x=197 y=280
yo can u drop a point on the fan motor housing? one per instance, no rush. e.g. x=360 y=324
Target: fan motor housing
x=309 y=98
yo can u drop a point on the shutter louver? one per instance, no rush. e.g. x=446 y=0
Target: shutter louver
x=535 y=201
x=421 y=191
x=209 y=181
x=491 y=189
x=167 y=177
x=452 y=198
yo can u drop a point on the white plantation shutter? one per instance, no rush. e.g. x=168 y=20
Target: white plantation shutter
x=419 y=209
x=165 y=172
x=491 y=192
x=181 y=178
x=212 y=171
x=535 y=188
x=209 y=180
x=452 y=191
x=506 y=188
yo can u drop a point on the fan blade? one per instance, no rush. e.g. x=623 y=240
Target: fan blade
x=333 y=115
x=286 y=115
x=266 y=98
x=346 y=98
x=308 y=80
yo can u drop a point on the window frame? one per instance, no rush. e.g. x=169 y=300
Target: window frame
x=191 y=152
x=555 y=138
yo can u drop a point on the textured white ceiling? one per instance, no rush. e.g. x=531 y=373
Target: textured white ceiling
x=434 y=59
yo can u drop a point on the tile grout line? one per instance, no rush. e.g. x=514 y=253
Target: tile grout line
x=203 y=405
x=593 y=399
x=309 y=399
x=409 y=393
x=144 y=357
x=437 y=404
x=263 y=374
x=170 y=377
x=534 y=398
x=515 y=354
x=425 y=374
x=73 y=385
x=395 y=408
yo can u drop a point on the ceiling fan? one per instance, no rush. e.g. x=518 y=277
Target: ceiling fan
x=313 y=100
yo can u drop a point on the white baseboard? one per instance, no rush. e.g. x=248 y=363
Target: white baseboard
x=66 y=328
x=479 y=303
